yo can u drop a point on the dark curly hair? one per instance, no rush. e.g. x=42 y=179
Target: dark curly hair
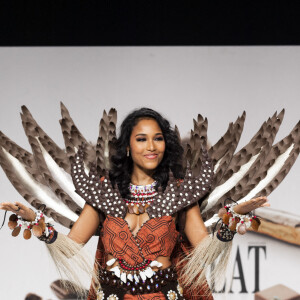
x=122 y=166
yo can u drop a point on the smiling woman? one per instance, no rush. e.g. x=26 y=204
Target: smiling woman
x=146 y=195
x=147 y=147
x=146 y=150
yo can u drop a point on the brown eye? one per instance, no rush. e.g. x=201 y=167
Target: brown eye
x=140 y=139
x=160 y=138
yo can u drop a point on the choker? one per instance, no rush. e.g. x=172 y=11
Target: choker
x=142 y=189
x=140 y=197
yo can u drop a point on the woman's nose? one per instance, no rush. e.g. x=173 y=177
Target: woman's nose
x=151 y=146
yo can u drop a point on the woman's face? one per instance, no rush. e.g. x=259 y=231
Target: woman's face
x=147 y=145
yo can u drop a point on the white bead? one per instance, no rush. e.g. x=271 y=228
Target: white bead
x=130 y=277
x=116 y=270
x=111 y=262
x=143 y=275
x=149 y=272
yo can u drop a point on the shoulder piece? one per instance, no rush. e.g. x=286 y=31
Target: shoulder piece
x=99 y=193
x=96 y=190
x=183 y=193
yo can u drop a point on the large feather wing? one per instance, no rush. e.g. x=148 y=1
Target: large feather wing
x=44 y=177
x=256 y=170
x=22 y=171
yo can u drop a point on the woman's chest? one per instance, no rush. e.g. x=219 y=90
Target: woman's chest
x=135 y=222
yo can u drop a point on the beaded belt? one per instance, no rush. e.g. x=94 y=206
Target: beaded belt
x=163 y=280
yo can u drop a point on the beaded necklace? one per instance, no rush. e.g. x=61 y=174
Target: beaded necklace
x=140 y=197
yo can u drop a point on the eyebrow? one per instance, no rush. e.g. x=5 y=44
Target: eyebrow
x=144 y=134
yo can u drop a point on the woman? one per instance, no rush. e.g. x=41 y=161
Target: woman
x=139 y=243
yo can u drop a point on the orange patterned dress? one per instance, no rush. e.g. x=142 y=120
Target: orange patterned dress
x=156 y=237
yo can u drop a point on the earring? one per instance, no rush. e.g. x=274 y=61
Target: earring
x=127 y=152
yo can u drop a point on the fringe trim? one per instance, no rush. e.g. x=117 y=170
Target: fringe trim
x=70 y=260
x=206 y=263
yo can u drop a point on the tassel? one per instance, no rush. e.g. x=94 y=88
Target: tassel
x=71 y=260
x=210 y=258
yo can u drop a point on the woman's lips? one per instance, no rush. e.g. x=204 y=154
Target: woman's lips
x=151 y=156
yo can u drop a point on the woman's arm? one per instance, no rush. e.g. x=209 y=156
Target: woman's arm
x=195 y=229
x=86 y=225
x=83 y=229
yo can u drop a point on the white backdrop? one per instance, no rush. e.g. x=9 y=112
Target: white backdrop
x=179 y=82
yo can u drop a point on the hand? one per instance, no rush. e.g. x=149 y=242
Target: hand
x=247 y=206
x=19 y=209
